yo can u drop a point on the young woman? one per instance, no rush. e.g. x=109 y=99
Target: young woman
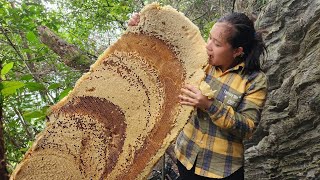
x=211 y=144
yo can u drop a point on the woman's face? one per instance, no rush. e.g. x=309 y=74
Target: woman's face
x=219 y=50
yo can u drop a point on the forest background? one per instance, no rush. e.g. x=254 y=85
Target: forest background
x=46 y=45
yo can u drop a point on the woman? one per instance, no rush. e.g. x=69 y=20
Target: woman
x=211 y=144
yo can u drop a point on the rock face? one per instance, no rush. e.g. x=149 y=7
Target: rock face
x=287 y=142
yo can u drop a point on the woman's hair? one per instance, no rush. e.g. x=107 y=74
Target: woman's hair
x=244 y=35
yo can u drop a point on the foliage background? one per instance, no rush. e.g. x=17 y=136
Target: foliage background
x=34 y=77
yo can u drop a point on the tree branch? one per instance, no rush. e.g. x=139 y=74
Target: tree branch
x=33 y=69
x=200 y=16
x=11 y=43
x=3 y=170
x=69 y=53
x=30 y=66
x=233 y=5
x=23 y=122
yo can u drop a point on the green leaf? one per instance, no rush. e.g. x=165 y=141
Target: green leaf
x=10 y=87
x=6 y=68
x=23 y=150
x=3 y=12
x=31 y=37
x=26 y=77
x=11 y=124
x=34 y=86
x=54 y=86
x=32 y=114
x=26 y=50
x=38 y=59
x=64 y=93
x=12 y=84
x=44 y=109
x=8 y=91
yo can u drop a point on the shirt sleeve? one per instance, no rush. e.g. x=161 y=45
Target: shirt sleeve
x=243 y=121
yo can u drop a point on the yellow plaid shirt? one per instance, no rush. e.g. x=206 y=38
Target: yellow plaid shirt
x=214 y=137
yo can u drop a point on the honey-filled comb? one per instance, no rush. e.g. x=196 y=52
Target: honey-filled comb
x=123 y=114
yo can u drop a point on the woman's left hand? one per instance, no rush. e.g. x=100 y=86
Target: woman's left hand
x=192 y=96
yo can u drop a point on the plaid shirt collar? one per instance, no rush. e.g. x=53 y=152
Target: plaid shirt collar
x=239 y=67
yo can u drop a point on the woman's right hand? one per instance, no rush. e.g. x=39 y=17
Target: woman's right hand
x=134 y=20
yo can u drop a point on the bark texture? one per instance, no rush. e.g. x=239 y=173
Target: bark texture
x=69 y=53
x=287 y=142
x=3 y=170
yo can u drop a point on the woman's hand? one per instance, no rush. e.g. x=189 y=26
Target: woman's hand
x=134 y=20
x=192 y=96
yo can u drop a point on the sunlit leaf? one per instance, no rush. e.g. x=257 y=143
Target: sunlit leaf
x=8 y=91
x=10 y=87
x=6 y=68
x=11 y=84
x=31 y=37
x=32 y=114
x=3 y=12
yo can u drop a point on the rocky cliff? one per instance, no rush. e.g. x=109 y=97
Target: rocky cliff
x=286 y=144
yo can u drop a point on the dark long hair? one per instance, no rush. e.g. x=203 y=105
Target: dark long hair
x=244 y=35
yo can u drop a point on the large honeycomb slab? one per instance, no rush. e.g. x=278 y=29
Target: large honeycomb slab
x=124 y=113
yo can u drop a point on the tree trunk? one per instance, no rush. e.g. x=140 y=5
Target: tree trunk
x=69 y=53
x=3 y=170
